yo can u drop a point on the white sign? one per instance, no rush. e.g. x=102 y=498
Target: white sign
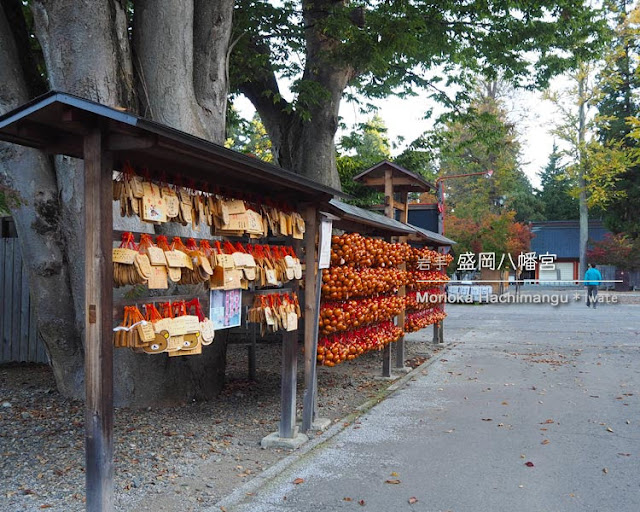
x=324 y=259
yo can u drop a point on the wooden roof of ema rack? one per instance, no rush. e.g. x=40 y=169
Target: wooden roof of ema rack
x=57 y=122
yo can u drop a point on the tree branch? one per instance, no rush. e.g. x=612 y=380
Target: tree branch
x=260 y=86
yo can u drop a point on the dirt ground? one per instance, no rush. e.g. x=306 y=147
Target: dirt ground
x=171 y=459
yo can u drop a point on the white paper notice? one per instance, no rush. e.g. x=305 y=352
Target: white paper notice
x=324 y=260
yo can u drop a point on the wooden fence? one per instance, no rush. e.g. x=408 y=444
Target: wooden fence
x=19 y=340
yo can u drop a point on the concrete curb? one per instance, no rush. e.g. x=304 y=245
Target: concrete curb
x=237 y=496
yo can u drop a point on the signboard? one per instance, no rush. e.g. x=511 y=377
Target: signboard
x=224 y=308
x=324 y=258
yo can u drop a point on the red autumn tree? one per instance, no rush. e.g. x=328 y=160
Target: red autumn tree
x=499 y=234
x=618 y=250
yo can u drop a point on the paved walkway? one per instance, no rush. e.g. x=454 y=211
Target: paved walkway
x=556 y=387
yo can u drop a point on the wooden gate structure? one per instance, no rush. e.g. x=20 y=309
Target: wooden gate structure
x=105 y=138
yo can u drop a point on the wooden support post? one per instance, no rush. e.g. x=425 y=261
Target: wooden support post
x=312 y=291
x=389 y=211
x=438 y=333
x=405 y=210
x=252 y=352
x=400 y=352
x=386 y=360
x=388 y=194
x=288 y=385
x=98 y=342
x=402 y=291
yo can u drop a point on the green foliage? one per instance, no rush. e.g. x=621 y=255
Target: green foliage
x=9 y=198
x=402 y=40
x=617 y=158
x=556 y=196
x=348 y=167
x=396 y=47
x=4 y=208
x=249 y=137
x=418 y=158
x=363 y=148
x=523 y=200
x=368 y=145
x=481 y=140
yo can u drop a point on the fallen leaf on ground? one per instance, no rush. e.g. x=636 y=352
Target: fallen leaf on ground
x=505 y=403
x=395 y=481
x=546 y=422
x=545 y=441
x=298 y=481
x=413 y=500
x=394 y=473
x=347 y=499
x=529 y=464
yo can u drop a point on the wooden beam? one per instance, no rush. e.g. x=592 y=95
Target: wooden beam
x=80 y=118
x=397 y=181
x=69 y=147
x=36 y=131
x=122 y=142
x=98 y=344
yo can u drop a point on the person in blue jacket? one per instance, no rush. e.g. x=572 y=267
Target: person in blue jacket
x=592 y=278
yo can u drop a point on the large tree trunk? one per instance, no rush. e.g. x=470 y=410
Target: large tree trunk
x=211 y=35
x=303 y=139
x=86 y=51
x=38 y=220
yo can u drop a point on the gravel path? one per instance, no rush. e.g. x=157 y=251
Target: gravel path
x=173 y=459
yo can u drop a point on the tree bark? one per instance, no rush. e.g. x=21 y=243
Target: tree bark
x=86 y=50
x=38 y=220
x=163 y=52
x=211 y=36
x=67 y=32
